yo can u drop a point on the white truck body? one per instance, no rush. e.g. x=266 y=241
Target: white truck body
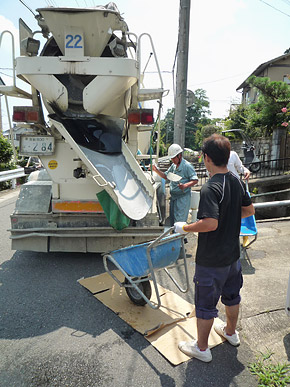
x=88 y=84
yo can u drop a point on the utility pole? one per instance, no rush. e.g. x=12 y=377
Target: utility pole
x=181 y=73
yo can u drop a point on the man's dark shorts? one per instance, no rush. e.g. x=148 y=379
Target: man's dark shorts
x=211 y=283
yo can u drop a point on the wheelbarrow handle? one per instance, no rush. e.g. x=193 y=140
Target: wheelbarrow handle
x=161 y=237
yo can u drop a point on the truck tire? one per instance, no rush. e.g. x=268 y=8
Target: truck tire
x=134 y=296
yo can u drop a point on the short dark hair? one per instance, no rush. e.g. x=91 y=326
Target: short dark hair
x=218 y=148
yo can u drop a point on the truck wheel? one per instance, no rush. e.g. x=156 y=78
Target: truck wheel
x=134 y=296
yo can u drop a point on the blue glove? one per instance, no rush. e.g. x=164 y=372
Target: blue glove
x=178 y=227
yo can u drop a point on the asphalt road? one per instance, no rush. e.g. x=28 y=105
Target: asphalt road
x=55 y=333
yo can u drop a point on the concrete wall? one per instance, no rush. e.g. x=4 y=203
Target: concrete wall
x=263 y=147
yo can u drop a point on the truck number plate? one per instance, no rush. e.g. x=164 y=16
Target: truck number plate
x=36 y=145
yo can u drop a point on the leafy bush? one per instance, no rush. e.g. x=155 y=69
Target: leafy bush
x=6 y=151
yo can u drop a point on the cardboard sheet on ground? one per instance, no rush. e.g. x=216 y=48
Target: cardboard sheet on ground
x=174 y=321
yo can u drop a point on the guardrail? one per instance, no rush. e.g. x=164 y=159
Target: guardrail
x=13 y=175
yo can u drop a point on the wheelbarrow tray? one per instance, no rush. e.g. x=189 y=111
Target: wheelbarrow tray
x=134 y=261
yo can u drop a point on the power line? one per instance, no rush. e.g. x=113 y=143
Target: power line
x=22 y=2
x=218 y=80
x=286 y=2
x=284 y=13
x=7 y=75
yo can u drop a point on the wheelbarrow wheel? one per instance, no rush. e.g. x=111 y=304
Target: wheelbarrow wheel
x=134 y=296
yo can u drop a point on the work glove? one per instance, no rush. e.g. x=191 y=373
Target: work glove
x=178 y=227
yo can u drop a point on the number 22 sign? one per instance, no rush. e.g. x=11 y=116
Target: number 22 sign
x=74 y=42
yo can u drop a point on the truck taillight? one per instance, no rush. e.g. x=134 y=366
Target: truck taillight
x=134 y=118
x=147 y=118
x=140 y=116
x=32 y=116
x=27 y=114
x=19 y=116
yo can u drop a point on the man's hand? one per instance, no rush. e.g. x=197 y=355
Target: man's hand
x=178 y=227
x=246 y=173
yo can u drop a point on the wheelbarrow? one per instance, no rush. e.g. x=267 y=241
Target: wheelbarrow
x=138 y=264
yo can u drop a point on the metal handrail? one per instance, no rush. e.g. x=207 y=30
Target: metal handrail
x=12 y=174
x=269 y=168
x=155 y=58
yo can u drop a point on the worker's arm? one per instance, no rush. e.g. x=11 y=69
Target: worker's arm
x=248 y=211
x=202 y=225
x=160 y=173
x=191 y=183
x=246 y=173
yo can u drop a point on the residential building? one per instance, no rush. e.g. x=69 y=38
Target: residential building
x=277 y=69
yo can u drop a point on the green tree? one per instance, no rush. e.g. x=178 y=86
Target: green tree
x=167 y=127
x=261 y=118
x=238 y=118
x=6 y=151
x=267 y=114
x=204 y=132
x=196 y=117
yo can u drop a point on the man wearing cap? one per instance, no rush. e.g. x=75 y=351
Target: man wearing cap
x=180 y=191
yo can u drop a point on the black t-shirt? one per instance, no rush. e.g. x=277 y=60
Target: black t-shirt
x=221 y=198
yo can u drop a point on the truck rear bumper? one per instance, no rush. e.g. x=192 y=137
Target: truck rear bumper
x=76 y=233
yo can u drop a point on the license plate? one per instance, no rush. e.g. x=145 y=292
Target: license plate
x=36 y=145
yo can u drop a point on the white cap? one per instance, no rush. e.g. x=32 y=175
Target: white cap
x=174 y=150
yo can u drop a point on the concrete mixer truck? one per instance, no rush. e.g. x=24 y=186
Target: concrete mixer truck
x=88 y=125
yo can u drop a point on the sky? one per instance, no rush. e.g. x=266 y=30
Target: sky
x=228 y=40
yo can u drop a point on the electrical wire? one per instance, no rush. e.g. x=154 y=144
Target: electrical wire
x=218 y=80
x=286 y=2
x=173 y=68
x=7 y=75
x=22 y=2
x=271 y=6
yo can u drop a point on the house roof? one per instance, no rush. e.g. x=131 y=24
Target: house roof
x=261 y=68
x=15 y=129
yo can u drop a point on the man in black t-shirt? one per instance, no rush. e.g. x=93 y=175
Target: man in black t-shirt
x=223 y=202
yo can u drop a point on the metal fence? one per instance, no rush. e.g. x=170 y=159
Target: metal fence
x=275 y=167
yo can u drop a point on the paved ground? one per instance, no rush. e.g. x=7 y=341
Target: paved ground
x=263 y=323
x=54 y=333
